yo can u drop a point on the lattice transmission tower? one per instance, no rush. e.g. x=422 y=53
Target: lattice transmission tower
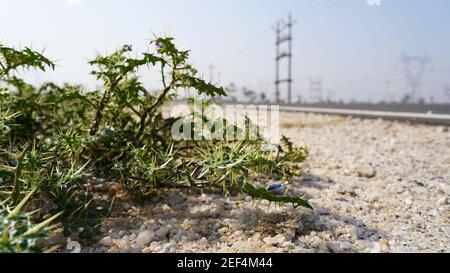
x=283 y=32
x=414 y=68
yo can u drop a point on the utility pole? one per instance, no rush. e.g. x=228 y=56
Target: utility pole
x=290 y=23
x=283 y=32
x=277 y=64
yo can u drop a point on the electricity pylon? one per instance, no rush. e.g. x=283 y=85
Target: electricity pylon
x=315 y=89
x=283 y=32
x=415 y=68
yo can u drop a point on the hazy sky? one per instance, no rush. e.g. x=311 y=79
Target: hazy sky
x=354 y=47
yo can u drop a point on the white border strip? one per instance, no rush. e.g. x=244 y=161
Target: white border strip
x=375 y=114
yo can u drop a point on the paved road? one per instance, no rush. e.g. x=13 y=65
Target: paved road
x=392 y=107
x=430 y=117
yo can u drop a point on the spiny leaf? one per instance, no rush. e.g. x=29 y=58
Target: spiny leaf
x=265 y=194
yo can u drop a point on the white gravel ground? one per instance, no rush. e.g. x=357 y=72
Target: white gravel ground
x=376 y=186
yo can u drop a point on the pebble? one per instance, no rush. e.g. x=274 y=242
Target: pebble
x=444 y=188
x=366 y=171
x=147 y=250
x=443 y=201
x=408 y=201
x=162 y=232
x=287 y=244
x=384 y=246
x=269 y=240
x=106 y=241
x=279 y=239
x=334 y=166
x=144 y=238
x=204 y=241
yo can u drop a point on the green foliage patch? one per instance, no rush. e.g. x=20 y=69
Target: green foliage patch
x=54 y=138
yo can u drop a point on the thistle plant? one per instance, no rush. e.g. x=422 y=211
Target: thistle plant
x=54 y=138
x=17 y=233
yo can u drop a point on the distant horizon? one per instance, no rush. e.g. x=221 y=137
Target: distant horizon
x=354 y=48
